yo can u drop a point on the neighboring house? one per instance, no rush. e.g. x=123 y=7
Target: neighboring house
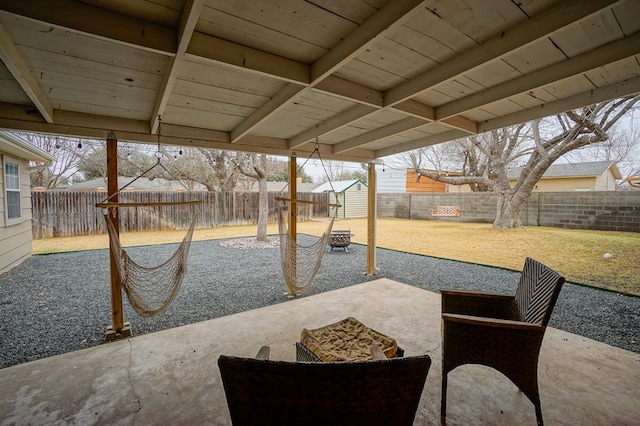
x=591 y=176
x=351 y=194
x=15 y=199
x=406 y=180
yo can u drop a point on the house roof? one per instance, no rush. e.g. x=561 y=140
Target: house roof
x=594 y=168
x=338 y=186
x=366 y=78
x=21 y=148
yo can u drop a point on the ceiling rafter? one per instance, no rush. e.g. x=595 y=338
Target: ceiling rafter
x=386 y=19
x=377 y=134
x=198 y=46
x=184 y=43
x=537 y=27
x=206 y=47
x=541 y=25
x=18 y=67
x=334 y=123
x=584 y=62
x=589 y=97
x=422 y=142
x=186 y=27
x=96 y=22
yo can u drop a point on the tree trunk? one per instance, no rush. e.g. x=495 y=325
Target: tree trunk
x=263 y=209
x=508 y=211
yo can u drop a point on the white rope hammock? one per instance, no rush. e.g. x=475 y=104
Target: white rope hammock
x=300 y=263
x=150 y=290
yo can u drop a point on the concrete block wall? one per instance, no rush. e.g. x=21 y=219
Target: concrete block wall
x=602 y=210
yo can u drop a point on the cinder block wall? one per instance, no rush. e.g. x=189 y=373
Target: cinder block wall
x=603 y=210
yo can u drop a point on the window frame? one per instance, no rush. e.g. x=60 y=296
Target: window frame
x=17 y=219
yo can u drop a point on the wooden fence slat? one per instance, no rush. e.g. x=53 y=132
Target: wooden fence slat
x=71 y=213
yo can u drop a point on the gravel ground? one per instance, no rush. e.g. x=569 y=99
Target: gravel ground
x=60 y=303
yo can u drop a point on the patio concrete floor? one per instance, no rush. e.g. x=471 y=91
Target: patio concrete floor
x=171 y=377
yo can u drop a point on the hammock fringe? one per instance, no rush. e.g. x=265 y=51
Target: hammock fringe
x=300 y=264
x=150 y=290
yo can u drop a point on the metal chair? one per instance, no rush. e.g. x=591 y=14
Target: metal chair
x=504 y=332
x=379 y=392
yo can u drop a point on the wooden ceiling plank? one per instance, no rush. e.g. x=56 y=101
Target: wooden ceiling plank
x=280 y=100
x=589 y=97
x=416 y=109
x=350 y=91
x=558 y=16
x=186 y=27
x=377 y=134
x=384 y=21
x=584 y=62
x=246 y=58
x=15 y=63
x=334 y=123
x=421 y=142
x=97 y=22
x=461 y=123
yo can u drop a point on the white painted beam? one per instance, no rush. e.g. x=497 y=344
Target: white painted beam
x=617 y=90
x=277 y=102
x=97 y=22
x=377 y=134
x=334 y=123
x=421 y=142
x=15 y=63
x=384 y=20
x=558 y=16
x=206 y=47
x=187 y=25
x=350 y=91
x=387 y=19
x=584 y=62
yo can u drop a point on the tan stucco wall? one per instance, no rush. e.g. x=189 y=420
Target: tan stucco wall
x=15 y=238
x=606 y=182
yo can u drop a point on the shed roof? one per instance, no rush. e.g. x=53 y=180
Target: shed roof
x=338 y=186
x=568 y=170
x=366 y=78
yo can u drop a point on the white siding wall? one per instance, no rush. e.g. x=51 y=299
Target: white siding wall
x=606 y=182
x=391 y=180
x=355 y=201
x=15 y=238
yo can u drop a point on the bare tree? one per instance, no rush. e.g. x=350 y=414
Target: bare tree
x=254 y=166
x=67 y=152
x=337 y=170
x=538 y=145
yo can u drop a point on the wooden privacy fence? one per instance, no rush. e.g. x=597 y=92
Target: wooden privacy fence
x=67 y=213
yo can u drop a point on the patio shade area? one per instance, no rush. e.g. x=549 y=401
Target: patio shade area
x=363 y=79
x=171 y=377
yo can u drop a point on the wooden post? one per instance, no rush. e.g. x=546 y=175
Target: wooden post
x=371 y=220
x=293 y=192
x=293 y=213
x=118 y=328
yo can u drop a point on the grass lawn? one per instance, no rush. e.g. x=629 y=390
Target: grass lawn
x=576 y=254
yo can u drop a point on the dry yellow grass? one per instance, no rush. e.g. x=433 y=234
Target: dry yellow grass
x=576 y=254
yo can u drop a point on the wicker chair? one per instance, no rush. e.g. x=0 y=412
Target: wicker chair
x=379 y=392
x=500 y=331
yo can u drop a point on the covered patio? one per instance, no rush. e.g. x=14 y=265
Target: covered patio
x=171 y=377
x=357 y=80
